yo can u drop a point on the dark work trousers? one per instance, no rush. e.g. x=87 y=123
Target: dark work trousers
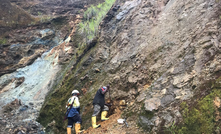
x=98 y=108
x=74 y=119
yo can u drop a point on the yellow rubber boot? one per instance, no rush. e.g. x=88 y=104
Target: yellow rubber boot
x=103 y=116
x=68 y=130
x=77 y=128
x=94 y=125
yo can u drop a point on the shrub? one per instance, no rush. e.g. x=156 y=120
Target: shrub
x=200 y=118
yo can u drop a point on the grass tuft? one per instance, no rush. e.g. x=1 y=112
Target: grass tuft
x=92 y=18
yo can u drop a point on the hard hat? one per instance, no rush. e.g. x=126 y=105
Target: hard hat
x=75 y=92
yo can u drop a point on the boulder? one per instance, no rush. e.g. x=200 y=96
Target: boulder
x=152 y=104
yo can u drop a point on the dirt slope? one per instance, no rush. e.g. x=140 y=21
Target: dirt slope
x=111 y=126
x=12 y=16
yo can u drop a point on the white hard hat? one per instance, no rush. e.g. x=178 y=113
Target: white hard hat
x=75 y=92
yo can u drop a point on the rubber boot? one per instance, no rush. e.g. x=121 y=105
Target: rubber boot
x=94 y=125
x=68 y=130
x=77 y=128
x=103 y=116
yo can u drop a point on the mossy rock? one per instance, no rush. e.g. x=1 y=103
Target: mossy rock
x=200 y=118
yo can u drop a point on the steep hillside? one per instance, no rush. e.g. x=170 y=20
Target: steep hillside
x=162 y=57
x=54 y=7
x=31 y=54
x=12 y=16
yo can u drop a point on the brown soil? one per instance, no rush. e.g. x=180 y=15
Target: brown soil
x=111 y=126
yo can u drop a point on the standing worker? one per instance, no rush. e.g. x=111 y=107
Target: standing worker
x=99 y=104
x=74 y=113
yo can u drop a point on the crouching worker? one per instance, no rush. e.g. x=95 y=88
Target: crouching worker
x=99 y=104
x=74 y=113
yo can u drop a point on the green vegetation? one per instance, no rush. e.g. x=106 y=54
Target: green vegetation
x=172 y=129
x=3 y=41
x=54 y=106
x=87 y=30
x=200 y=118
x=39 y=13
x=45 y=18
x=92 y=18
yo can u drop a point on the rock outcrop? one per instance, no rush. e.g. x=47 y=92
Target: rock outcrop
x=162 y=58
x=171 y=45
x=156 y=55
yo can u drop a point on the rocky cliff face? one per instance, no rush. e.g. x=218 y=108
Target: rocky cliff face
x=158 y=56
x=172 y=47
x=161 y=57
